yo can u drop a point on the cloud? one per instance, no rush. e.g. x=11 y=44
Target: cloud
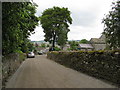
x=83 y=18
x=78 y=33
x=87 y=16
x=38 y=35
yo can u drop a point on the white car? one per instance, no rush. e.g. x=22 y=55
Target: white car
x=40 y=53
x=30 y=55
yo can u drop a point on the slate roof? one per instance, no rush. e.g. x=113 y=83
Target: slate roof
x=97 y=40
x=86 y=46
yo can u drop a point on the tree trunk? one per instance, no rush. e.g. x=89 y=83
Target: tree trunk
x=53 y=43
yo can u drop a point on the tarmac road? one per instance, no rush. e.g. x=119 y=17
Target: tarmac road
x=40 y=72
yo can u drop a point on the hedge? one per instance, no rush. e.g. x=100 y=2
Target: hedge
x=100 y=64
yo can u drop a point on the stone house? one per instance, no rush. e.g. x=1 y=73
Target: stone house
x=85 y=47
x=98 y=43
x=94 y=44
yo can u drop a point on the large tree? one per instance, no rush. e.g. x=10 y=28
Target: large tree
x=62 y=37
x=112 y=26
x=18 y=21
x=53 y=20
x=84 y=41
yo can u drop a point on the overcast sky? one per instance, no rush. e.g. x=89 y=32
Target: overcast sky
x=87 y=16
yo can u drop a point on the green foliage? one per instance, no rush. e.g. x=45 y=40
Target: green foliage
x=55 y=22
x=57 y=48
x=69 y=49
x=27 y=46
x=48 y=45
x=43 y=45
x=30 y=47
x=84 y=41
x=112 y=26
x=62 y=38
x=18 y=21
x=36 y=45
x=100 y=64
x=73 y=45
x=74 y=48
x=18 y=51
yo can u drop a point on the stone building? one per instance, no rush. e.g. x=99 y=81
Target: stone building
x=98 y=43
x=85 y=47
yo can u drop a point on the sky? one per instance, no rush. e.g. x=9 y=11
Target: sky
x=87 y=17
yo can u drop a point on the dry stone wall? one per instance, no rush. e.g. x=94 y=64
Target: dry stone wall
x=10 y=64
x=100 y=64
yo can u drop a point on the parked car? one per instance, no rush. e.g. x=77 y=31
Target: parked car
x=30 y=55
x=40 y=53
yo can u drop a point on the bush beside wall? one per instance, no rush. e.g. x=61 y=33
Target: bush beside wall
x=100 y=64
x=10 y=64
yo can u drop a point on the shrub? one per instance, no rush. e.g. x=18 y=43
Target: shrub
x=57 y=49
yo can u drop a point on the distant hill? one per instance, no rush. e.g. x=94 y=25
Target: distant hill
x=38 y=41
x=74 y=40
x=42 y=41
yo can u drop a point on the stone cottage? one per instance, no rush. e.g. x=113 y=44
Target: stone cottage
x=85 y=47
x=98 y=43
